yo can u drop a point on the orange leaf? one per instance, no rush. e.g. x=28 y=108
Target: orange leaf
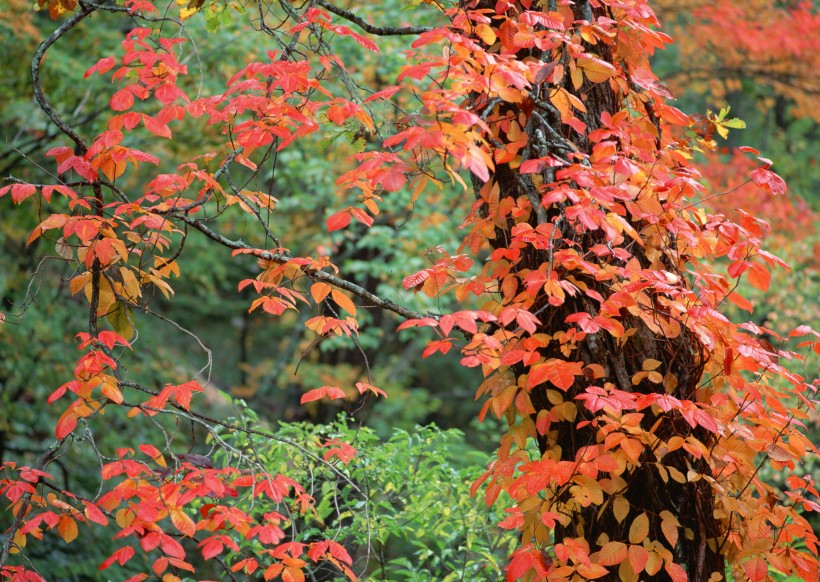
x=67 y=528
x=111 y=392
x=558 y=372
x=670 y=531
x=756 y=569
x=182 y=522
x=343 y=301
x=760 y=277
x=592 y=571
x=66 y=423
x=319 y=291
x=610 y=554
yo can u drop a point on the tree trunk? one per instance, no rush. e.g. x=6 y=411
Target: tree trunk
x=648 y=486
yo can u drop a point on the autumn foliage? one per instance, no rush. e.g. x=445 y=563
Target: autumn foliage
x=592 y=278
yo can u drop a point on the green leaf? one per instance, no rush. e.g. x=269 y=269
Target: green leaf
x=121 y=320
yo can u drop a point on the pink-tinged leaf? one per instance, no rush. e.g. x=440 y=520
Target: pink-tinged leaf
x=168 y=93
x=338 y=220
x=122 y=99
x=211 y=547
x=802 y=330
x=331 y=392
x=20 y=192
x=706 y=420
x=102 y=66
x=154 y=126
x=120 y=556
x=416 y=279
x=362 y=216
x=538 y=165
x=393 y=181
x=756 y=569
x=383 y=94
x=66 y=423
x=365 y=42
x=676 y=572
x=769 y=180
x=93 y=513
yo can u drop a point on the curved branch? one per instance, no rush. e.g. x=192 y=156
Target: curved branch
x=39 y=96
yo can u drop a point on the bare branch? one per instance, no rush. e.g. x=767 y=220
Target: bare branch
x=367 y=27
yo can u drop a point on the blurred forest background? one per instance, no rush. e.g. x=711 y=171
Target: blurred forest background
x=764 y=65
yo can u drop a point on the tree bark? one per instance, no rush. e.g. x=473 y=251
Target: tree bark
x=647 y=489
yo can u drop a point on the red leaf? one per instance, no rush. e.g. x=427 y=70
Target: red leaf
x=361 y=216
x=339 y=220
x=120 y=556
x=331 y=392
x=102 y=66
x=122 y=99
x=93 y=513
x=66 y=423
x=156 y=127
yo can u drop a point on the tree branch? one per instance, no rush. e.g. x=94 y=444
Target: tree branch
x=39 y=96
x=367 y=27
x=314 y=274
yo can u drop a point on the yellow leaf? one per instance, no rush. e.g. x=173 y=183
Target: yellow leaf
x=131 y=289
x=639 y=529
x=653 y=563
x=676 y=475
x=597 y=71
x=620 y=507
x=124 y=517
x=486 y=34
x=625 y=572
x=651 y=364
x=577 y=77
x=561 y=101
x=670 y=531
